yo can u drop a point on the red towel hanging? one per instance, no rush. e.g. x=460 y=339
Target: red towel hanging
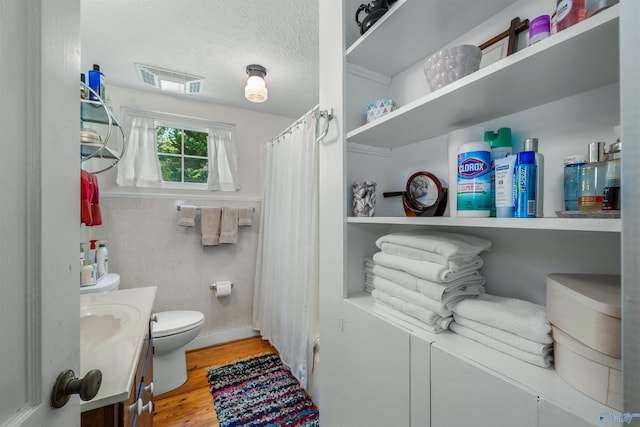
x=86 y=193
x=96 y=215
x=90 y=214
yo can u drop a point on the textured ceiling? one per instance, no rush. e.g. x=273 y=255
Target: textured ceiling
x=214 y=39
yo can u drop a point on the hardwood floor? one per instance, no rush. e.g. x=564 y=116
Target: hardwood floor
x=191 y=405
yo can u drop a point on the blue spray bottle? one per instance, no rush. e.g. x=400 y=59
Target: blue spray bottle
x=96 y=82
x=525 y=185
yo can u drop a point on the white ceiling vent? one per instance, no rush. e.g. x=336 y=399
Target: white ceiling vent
x=171 y=81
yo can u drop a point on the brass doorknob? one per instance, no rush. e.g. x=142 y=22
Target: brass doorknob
x=67 y=384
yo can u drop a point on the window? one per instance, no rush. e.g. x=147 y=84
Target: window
x=166 y=150
x=183 y=154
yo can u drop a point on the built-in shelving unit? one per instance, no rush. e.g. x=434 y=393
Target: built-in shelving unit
x=575 y=60
x=531 y=90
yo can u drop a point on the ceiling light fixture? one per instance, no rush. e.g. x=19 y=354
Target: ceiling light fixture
x=256 y=90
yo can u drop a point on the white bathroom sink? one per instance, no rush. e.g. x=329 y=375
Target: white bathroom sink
x=103 y=323
x=113 y=327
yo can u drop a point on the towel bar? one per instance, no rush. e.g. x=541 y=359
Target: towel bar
x=198 y=208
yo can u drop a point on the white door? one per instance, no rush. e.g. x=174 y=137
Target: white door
x=39 y=215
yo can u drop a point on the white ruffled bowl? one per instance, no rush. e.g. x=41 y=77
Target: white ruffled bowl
x=450 y=64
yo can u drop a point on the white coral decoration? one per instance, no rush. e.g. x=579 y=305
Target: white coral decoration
x=364 y=198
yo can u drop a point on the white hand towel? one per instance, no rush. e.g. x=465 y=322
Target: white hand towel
x=519 y=317
x=505 y=336
x=412 y=297
x=187 y=216
x=210 y=226
x=544 y=361
x=448 y=245
x=229 y=225
x=444 y=292
x=425 y=269
x=420 y=255
x=245 y=217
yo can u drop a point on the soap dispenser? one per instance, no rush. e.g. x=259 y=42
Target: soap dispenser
x=102 y=258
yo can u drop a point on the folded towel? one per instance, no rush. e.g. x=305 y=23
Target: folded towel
x=443 y=292
x=229 y=225
x=542 y=360
x=504 y=336
x=411 y=297
x=420 y=255
x=245 y=217
x=447 y=245
x=210 y=226
x=418 y=317
x=426 y=269
x=187 y=216
x=519 y=317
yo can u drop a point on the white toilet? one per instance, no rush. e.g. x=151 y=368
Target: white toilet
x=171 y=332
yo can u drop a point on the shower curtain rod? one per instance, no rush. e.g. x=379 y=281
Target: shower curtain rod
x=327 y=114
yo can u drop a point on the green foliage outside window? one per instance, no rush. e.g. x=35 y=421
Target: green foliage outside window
x=183 y=154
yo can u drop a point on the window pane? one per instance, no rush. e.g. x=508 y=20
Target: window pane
x=171 y=168
x=169 y=140
x=195 y=143
x=195 y=170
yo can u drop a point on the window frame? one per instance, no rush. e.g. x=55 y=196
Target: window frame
x=189 y=123
x=182 y=156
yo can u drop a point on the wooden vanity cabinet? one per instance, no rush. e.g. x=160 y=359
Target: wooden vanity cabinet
x=118 y=414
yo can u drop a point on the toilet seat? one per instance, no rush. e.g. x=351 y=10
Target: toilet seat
x=175 y=322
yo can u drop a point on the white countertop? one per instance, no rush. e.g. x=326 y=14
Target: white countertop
x=113 y=328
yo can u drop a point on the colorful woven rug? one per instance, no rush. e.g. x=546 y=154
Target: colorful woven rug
x=260 y=391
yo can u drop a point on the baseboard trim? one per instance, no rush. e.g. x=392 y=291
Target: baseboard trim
x=221 y=337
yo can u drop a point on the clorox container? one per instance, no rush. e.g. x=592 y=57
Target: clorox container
x=474 y=179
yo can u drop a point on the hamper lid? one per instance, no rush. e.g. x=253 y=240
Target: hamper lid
x=601 y=292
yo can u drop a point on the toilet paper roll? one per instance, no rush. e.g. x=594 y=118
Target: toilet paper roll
x=223 y=289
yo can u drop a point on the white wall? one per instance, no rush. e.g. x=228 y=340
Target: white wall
x=147 y=247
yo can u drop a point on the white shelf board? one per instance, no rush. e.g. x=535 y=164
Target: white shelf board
x=413 y=29
x=578 y=59
x=541 y=381
x=612 y=225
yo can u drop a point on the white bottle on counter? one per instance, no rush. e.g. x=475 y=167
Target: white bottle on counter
x=102 y=257
x=86 y=274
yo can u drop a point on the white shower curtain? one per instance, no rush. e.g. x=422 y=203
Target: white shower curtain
x=286 y=286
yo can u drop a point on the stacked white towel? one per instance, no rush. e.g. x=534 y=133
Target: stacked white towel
x=420 y=274
x=512 y=326
x=368 y=274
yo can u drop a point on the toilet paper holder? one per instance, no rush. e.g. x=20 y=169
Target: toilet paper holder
x=214 y=286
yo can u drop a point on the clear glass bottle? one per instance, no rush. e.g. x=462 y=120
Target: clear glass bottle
x=611 y=193
x=592 y=179
x=572 y=165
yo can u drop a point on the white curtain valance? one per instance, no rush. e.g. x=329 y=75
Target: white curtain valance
x=140 y=165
